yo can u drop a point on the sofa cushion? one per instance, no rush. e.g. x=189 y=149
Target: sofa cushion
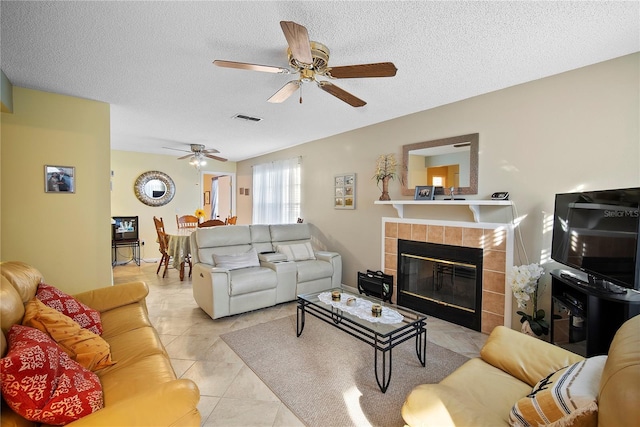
x=566 y=397
x=236 y=261
x=84 y=316
x=454 y=402
x=297 y=251
x=313 y=270
x=289 y=233
x=82 y=345
x=41 y=382
x=252 y=279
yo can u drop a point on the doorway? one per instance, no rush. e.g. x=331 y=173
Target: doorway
x=218 y=189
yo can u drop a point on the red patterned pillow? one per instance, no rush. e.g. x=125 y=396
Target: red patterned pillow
x=40 y=382
x=83 y=315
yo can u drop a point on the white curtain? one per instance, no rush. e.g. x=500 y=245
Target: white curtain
x=276 y=192
x=214 y=198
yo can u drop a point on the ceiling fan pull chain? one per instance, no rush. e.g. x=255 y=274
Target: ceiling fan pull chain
x=300 y=94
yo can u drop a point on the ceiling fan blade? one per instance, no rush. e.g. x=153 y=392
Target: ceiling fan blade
x=285 y=92
x=210 y=150
x=220 y=159
x=298 y=40
x=185 y=157
x=380 y=69
x=251 y=67
x=341 y=94
x=177 y=149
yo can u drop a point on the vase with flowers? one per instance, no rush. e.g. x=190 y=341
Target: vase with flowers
x=386 y=170
x=525 y=284
x=199 y=213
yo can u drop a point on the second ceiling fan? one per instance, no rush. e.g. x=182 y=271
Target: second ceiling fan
x=311 y=59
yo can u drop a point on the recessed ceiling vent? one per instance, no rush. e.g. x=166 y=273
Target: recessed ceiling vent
x=247 y=118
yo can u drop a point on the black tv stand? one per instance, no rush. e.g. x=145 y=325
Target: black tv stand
x=587 y=315
x=594 y=285
x=134 y=244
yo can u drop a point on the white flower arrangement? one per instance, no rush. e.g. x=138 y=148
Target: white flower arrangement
x=524 y=280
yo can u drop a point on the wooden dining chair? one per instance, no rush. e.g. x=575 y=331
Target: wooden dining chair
x=231 y=220
x=187 y=221
x=163 y=242
x=211 y=223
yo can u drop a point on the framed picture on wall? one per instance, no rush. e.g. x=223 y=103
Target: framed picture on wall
x=424 y=192
x=344 y=191
x=59 y=179
x=207 y=197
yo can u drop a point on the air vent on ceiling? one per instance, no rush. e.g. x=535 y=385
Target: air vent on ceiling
x=247 y=118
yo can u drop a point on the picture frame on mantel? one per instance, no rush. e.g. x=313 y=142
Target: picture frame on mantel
x=424 y=192
x=344 y=191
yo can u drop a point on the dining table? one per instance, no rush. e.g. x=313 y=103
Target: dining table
x=179 y=248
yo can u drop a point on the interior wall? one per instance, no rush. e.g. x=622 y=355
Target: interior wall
x=66 y=236
x=576 y=130
x=126 y=166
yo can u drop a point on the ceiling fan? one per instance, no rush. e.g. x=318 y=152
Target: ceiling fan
x=311 y=59
x=197 y=155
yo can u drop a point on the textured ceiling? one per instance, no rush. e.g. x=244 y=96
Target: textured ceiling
x=152 y=61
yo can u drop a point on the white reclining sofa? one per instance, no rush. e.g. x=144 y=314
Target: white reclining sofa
x=239 y=268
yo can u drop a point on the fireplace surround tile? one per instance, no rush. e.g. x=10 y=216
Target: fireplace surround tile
x=493 y=281
x=391 y=229
x=404 y=231
x=472 y=237
x=453 y=236
x=419 y=232
x=435 y=234
x=390 y=245
x=494 y=260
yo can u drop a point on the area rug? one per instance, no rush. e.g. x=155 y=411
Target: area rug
x=326 y=377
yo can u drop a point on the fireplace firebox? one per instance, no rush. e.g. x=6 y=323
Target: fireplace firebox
x=443 y=281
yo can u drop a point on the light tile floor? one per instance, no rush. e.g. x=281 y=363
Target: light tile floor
x=231 y=394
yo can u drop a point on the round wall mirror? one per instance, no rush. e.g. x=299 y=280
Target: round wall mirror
x=154 y=188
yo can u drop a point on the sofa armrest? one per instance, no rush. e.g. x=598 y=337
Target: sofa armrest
x=272 y=257
x=110 y=297
x=527 y=358
x=169 y=404
x=326 y=255
x=335 y=260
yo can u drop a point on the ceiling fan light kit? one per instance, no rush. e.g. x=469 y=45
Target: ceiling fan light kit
x=310 y=59
x=197 y=155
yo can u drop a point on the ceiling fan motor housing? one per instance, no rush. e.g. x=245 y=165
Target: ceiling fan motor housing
x=320 y=55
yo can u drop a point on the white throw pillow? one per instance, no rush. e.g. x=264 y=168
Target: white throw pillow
x=236 y=261
x=297 y=251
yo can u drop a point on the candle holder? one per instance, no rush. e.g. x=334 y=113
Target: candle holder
x=376 y=310
x=335 y=296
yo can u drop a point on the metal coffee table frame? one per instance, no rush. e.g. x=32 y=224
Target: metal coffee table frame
x=382 y=337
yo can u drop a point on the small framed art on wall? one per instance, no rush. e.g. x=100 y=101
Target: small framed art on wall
x=344 y=191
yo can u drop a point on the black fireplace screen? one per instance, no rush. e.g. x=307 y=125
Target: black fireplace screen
x=444 y=281
x=447 y=282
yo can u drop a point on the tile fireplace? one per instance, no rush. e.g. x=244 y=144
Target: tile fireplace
x=475 y=290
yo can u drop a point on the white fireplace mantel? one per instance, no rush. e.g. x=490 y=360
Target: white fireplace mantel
x=473 y=205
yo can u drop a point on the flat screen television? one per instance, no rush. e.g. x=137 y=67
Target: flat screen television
x=124 y=228
x=597 y=232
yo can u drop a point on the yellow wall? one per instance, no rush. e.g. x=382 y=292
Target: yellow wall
x=127 y=166
x=576 y=130
x=66 y=236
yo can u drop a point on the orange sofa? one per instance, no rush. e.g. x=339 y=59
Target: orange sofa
x=141 y=388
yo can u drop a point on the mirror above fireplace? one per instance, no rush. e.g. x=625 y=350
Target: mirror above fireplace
x=447 y=162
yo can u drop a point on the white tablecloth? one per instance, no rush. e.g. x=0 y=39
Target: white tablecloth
x=362 y=308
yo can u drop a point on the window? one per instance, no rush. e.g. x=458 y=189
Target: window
x=276 y=192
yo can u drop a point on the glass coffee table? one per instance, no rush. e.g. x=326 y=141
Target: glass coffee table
x=356 y=319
